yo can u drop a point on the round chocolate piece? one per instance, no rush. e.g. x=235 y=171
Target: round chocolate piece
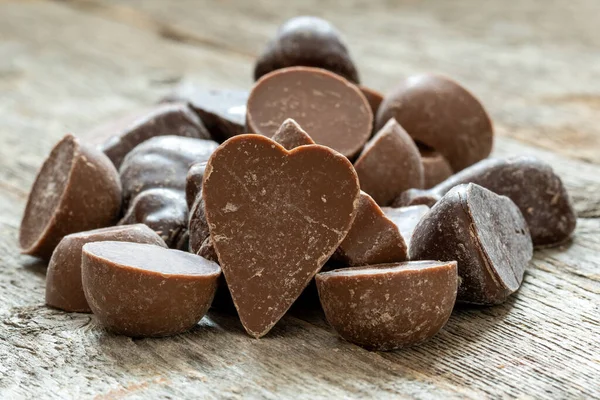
x=142 y=290
x=389 y=306
x=193 y=183
x=77 y=189
x=441 y=114
x=373 y=97
x=63 y=279
x=435 y=167
x=485 y=233
x=389 y=164
x=334 y=111
x=307 y=41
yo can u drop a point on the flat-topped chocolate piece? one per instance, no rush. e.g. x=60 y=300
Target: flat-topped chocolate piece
x=142 y=290
x=275 y=218
x=389 y=306
x=406 y=219
x=193 y=182
x=530 y=183
x=222 y=111
x=307 y=41
x=389 y=164
x=436 y=168
x=373 y=97
x=120 y=137
x=485 y=233
x=331 y=109
x=63 y=279
x=372 y=239
x=290 y=135
x=162 y=162
x=76 y=189
x=441 y=114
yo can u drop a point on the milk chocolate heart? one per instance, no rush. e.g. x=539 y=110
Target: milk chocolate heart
x=275 y=217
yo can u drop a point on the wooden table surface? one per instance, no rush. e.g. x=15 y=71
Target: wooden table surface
x=66 y=66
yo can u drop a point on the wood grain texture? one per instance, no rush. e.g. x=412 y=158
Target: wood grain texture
x=67 y=66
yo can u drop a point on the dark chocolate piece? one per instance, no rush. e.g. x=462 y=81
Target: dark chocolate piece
x=193 y=184
x=275 y=218
x=120 y=137
x=63 y=279
x=373 y=97
x=222 y=111
x=198 y=227
x=307 y=41
x=389 y=164
x=406 y=219
x=290 y=135
x=207 y=250
x=436 y=168
x=373 y=238
x=76 y=189
x=142 y=290
x=389 y=306
x=333 y=110
x=441 y=114
x=530 y=183
x=485 y=233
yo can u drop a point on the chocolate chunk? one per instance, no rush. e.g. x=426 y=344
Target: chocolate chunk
x=207 y=250
x=222 y=111
x=485 y=233
x=198 y=227
x=333 y=110
x=406 y=219
x=76 y=189
x=163 y=210
x=290 y=135
x=193 y=182
x=275 y=218
x=373 y=238
x=373 y=97
x=63 y=279
x=441 y=114
x=307 y=41
x=389 y=306
x=389 y=164
x=530 y=183
x=222 y=301
x=162 y=162
x=144 y=290
x=435 y=168
x=120 y=137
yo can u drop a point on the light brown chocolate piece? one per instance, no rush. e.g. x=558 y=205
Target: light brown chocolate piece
x=389 y=306
x=485 y=233
x=373 y=238
x=389 y=164
x=406 y=219
x=373 y=97
x=76 y=189
x=290 y=135
x=193 y=185
x=530 y=183
x=63 y=279
x=143 y=290
x=275 y=218
x=436 y=168
x=120 y=137
x=441 y=114
x=333 y=110
x=307 y=41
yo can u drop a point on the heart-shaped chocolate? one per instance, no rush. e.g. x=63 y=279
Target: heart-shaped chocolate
x=275 y=217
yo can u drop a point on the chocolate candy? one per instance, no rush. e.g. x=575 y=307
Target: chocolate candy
x=435 y=168
x=373 y=238
x=389 y=306
x=290 y=135
x=334 y=111
x=193 y=182
x=222 y=111
x=275 y=218
x=406 y=219
x=373 y=97
x=440 y=113
x=63 y=279
x=166 y=119
x=530 y=183
x=163 y=210
x=162 y=162
x=142 y=290
x=485 y=233
x=307 y=41
x=76 y=189
x=198 y=227
x=389 y=164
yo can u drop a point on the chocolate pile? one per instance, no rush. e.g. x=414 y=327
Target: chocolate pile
x=393 y=196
